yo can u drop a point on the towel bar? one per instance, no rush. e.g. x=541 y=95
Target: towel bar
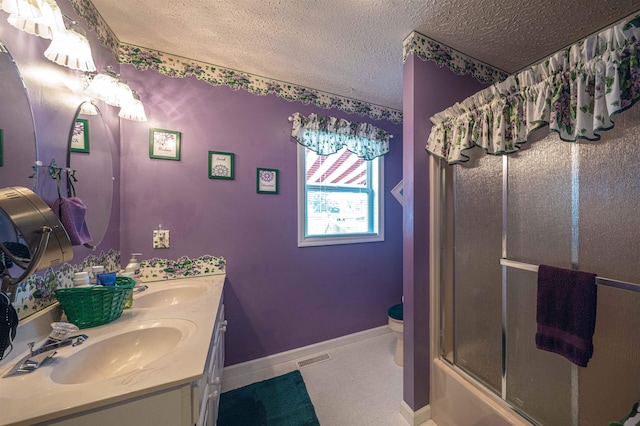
x=607 y=282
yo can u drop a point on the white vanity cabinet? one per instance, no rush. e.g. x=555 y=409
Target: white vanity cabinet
x=179 y=388
x=190 y=404
x=206 y=393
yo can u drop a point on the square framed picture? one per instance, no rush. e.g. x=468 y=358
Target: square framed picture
x=221 y=165
x=80 y=136
x=164 y=144
x=267 y=181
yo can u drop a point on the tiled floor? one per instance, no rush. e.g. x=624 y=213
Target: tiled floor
x=359 y=386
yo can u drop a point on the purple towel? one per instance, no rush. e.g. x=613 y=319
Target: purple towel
x=566 y=313
x=71 y=212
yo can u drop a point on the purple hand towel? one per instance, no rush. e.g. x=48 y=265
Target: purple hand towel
x=566 y=313
x=71 y=212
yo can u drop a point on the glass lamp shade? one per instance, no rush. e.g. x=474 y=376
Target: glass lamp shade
x=71 y=49
x=38 y=17
x=109 y=88
x=134 y=110
x=88 y=108
x=22 y=8
x=103 y=87
x=125 y=94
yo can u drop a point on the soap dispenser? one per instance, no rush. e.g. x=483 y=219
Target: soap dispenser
x=133 y=265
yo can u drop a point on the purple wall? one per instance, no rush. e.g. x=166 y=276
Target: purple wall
x=427 y=89
x=278 y=296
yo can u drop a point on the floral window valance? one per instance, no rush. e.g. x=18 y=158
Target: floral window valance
x=575 y=92
x=327 y=135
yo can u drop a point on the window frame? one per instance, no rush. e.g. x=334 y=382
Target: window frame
x=369 y=237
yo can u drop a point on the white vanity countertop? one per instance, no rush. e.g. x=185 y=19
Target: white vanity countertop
x=37 y=397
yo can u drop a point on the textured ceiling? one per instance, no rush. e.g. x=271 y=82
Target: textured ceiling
x=353 y=48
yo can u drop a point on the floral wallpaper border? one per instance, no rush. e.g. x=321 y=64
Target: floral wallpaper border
x=36 y=292
x=179 y=67
x=97 y=24
x=165 y=269
x=430 y=50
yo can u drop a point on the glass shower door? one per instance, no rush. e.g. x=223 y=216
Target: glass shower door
x=477 y=290
x=561 y=204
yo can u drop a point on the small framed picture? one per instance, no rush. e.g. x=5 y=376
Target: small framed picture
x=80 y=136
x=267 y=181
x=220 y=165
x=164 y=144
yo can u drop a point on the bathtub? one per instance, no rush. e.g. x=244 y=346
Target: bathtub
x=458 y=400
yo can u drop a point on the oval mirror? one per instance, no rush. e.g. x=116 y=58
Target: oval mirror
x=89 y=156
x=17 y=129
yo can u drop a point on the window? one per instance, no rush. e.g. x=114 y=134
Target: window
x=339 y=198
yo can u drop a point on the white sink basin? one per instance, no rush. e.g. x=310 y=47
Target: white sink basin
x=168 y=296
x=130 y=350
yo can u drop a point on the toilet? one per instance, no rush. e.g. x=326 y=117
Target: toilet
x=396 y=325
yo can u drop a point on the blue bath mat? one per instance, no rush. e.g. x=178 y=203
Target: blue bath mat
x=280 y=401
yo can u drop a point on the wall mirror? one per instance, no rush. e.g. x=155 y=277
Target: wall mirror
x=89 y=154
x=17 y=129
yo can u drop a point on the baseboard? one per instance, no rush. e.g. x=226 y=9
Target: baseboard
x=305 y=351
x=415 y=418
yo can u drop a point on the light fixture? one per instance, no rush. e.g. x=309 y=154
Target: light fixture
x=38 y=17
x=125 y=94
x=88 y=108
x=71 y=49
x=110 y=88
x=103 y=86
x=134 y=110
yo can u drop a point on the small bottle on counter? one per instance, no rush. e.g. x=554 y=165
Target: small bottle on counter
x=133 y=265
x=95 y=270
x=81 y=279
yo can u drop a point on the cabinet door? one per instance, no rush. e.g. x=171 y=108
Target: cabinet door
x=203 y=392
x=216 y=374
x=210 y=384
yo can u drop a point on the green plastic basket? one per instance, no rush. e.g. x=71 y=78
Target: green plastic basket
x=92 y=306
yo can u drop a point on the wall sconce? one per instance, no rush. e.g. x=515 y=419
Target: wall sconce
x=69 y=46
x=134 y=110
x=110 y=88
x=37 y=17
x=88 y=108
x=71 y=49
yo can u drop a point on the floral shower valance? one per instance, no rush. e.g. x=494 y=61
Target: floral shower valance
x=575 y=92
x=328 y=135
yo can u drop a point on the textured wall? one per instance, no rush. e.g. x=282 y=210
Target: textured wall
x=427 y=89
x=279 y=297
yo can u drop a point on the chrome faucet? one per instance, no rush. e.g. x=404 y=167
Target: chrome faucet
x=57 y=339
x=52 y=345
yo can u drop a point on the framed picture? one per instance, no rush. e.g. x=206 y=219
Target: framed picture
x=267 y=181
x=220 y=165
x=164 y=144
x=80 y=136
